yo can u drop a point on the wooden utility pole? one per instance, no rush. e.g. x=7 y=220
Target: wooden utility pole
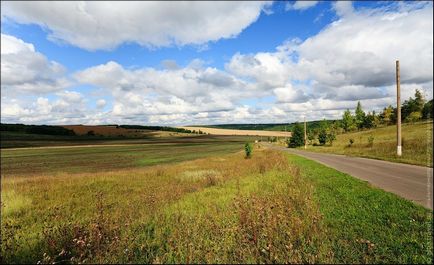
x=398 y=110
x=305 y=133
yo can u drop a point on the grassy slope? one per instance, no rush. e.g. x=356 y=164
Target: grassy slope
x=271 y=208
x=417 y=144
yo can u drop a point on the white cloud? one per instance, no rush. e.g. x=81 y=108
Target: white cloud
x=100 y=103
x=300 y=5
x=26 y=70
x=351 y=59
x=147 y=91
x=361 y=49
x=105 y=25
x=343 y=8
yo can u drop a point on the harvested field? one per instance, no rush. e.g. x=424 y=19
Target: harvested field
x=101 y=130
x=239 y=132
x=108 y=130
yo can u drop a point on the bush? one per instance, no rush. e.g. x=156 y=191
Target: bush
x=248 y=148
x=370 y=141
x=297 y=137
x=331 y=137
x=413 y=117
x=322 y=137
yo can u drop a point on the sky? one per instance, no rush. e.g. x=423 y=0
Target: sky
x=197 y=63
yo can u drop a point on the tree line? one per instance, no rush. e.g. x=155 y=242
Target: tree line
x=36 y=129
x=412 y=110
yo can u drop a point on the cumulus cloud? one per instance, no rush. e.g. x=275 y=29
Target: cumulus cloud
x=100 y=103
x=349 y=60
x=300 y=5
x=25 y=70
x=145 y=92
x=105 y=25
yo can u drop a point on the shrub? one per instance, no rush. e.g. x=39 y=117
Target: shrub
x=331 y=137
x=413 y=117
x=297 y=137
x=248 y=148
x=322 y=137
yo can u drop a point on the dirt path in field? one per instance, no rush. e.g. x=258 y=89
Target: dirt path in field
x=414 y=183
x=216 y=131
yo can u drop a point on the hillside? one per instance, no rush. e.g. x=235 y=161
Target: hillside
x=264 y=126
x=416 y=144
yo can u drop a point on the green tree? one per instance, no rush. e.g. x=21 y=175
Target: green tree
x=347 y=121
x=297 y=136
x=248 y=148
x=419 y=100
x=413 y=105
x=369 y=121
x=331 y=136
x=360 y=116
x=386 y=115
x=413 y=117
x=322 y=136
x=427 y=111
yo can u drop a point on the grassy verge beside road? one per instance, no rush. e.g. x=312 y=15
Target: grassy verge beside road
x=416 y=141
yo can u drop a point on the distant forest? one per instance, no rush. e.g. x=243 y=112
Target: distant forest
x=266 y=127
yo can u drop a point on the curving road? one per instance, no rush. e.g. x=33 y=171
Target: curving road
x=414 y=183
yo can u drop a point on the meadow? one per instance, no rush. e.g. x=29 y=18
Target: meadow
x=198 y=201
x=416 y=144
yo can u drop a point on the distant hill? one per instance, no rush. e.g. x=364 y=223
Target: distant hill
x=266 y=126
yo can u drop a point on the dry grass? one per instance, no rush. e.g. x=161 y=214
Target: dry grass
x=220 y=209
x=66 y=208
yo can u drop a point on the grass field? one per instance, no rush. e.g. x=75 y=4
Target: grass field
x=198 y=202
x=416 y=144
x=112 y=155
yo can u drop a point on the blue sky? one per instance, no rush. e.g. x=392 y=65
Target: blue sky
x=272 y=62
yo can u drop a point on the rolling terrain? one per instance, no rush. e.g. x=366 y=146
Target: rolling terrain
x=197 y=200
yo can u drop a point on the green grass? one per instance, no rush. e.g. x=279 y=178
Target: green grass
x=272 y=208
x=37 y=161
x=355 y=212
x=416 y=144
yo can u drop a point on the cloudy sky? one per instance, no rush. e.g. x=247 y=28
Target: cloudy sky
x=183 y=63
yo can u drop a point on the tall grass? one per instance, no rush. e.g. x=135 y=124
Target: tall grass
x=222 y=209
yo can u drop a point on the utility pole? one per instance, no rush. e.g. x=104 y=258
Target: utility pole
x=305 y=133
x=398 y=110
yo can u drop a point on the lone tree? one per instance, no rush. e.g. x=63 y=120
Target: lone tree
x=297 y=137
x=360 y=116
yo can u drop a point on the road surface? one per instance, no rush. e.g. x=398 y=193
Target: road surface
x=414 y=183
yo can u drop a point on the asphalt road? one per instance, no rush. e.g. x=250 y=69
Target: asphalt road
x=414 y=183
